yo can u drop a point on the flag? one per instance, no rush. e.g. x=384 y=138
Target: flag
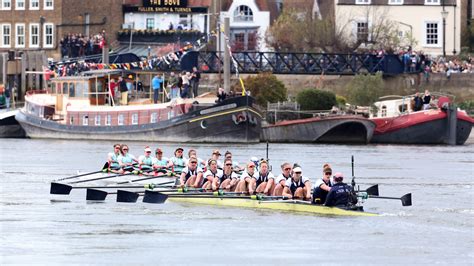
x=243 y=87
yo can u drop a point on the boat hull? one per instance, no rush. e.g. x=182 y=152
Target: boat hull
x=9 y=127
x=214 y=124
x=273 y=205
x=429 y=127
x=339 y=129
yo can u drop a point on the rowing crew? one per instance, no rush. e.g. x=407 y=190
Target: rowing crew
x=290 y=183
x=214 y=175
x=121 y=161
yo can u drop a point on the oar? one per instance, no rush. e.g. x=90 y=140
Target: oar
x=371 y=191
x=106 y=165
x=65 y=189
x=406 y=199
x=95 y=194
x=147 y=178
x=157 y=197
x=111 y=176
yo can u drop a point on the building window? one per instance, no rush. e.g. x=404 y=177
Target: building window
x=48 y=35
x=183 y=22
x=362 y=31
x=6 y=35
x=244 y=40
x=431 y=2
x=363 y=2
x=85 y=120
x=20 y=35
x=150 y=23
x=395 y=2
x=97 y=120
x=120 y=120
x=6 y=4
x=34 y=5
x=134 y=119
x=243 y=13
x=431 y=33
x=153 y=117
x=108 y=120
x=34 y=35
x=20 y=5
x=48 y=4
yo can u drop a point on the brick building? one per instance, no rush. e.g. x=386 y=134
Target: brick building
x=31 y=25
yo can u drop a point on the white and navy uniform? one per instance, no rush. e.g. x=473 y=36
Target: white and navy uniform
x=281 y=177
x=319 y=195
x=218 y=174
x=264 y=178
x=293 y=185
x=188 y=172
x=224 y=176
x=245 y=174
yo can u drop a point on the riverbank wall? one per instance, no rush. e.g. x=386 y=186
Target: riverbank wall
x=461 y=85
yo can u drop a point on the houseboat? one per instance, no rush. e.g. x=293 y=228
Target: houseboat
x=82 y=107
x=397 y=122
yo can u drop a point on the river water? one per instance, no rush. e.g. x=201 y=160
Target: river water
x=36 y=227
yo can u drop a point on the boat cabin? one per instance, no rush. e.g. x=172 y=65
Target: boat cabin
x=392 y=106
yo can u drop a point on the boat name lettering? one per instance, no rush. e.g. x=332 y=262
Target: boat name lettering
x=219 y=108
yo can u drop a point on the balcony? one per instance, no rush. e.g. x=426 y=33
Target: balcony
x=159 y=36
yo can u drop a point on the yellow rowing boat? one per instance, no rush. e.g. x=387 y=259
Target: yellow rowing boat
x=282 y=205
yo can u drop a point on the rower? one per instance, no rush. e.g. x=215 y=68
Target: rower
x=113 y=159
x=190 y=173
x=160 y=163
x=215 y=156
x=201 y=163
x=127 y=160
x=281 y=179
x=248 y=179
x=298 y=186
x=229 y=179
x=146 y=161
x=266 y=181
x=340 y=194
x=322 y=186
x=177 y=161
x=235 y=165
x=211 y=173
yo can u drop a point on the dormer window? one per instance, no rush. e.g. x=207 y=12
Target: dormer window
x=243 y=13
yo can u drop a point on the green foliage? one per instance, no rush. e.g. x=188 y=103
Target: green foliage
x=265 y=87
x=311 y=99
x=467 y=106
x=365 y=89
x=341 y=100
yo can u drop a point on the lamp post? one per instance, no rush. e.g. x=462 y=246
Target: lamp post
x=444 y=14
x=131 y=26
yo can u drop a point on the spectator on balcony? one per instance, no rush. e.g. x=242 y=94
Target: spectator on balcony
x=171 y=26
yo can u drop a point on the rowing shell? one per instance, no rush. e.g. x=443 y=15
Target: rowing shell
x=293 y=206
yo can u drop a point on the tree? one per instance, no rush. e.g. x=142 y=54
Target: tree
x=265 y=87
x=311 y=99
x=365 y=89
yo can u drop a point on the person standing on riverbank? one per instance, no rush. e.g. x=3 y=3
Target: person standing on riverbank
x=195 y=77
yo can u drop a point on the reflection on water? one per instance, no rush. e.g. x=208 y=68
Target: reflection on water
x=44 y=229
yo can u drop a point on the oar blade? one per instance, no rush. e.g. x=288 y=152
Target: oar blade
x=406 y=199
x=373 y=190
x=127 y=196
x=154 y=197
x=95 y=194
x=60 y=189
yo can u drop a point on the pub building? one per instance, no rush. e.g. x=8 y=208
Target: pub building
x=155 y=23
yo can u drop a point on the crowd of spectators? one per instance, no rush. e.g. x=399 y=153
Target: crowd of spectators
x=77 y=45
